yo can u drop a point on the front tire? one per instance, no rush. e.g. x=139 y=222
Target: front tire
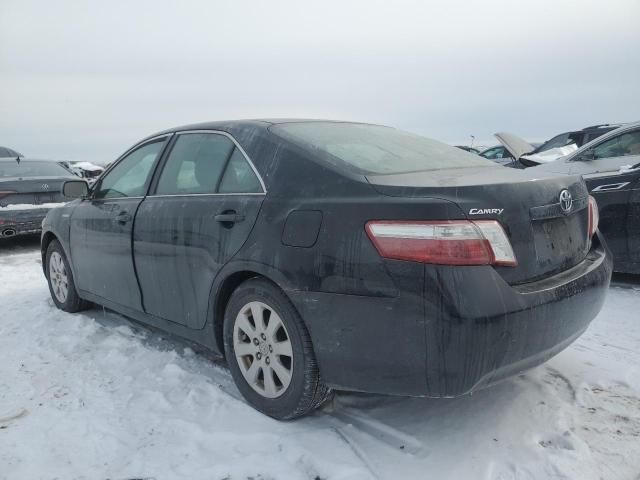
x=60 y=278
x=269 y=352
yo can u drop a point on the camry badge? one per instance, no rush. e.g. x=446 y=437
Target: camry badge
x=486 y=211
x=566 y=201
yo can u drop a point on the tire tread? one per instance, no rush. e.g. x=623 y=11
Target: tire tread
x=314 y=392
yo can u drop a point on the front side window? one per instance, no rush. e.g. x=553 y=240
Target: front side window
x=372 y=149
x=129 y=177
x=619 y=146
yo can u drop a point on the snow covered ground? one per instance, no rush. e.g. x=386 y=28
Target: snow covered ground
x=93 y=396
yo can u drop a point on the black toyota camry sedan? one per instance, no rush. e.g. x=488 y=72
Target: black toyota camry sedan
x=320 y=255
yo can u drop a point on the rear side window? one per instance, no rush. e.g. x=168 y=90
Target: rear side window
x=373 y=149
x=206 y=163
x=620 y=146
x=195 y=164
x=239 y=177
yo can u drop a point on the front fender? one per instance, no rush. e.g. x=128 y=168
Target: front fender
x=57 y=224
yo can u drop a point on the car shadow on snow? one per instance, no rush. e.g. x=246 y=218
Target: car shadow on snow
x=625 y=280
x=19 y=244
x=404 y=424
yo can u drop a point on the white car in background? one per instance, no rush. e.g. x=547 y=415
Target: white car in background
x=87 y=170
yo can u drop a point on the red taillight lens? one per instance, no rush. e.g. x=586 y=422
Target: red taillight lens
x=594 y=216
x=454 y=242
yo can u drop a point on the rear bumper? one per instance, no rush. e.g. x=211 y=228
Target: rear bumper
x=463 y=328
x=21 y=222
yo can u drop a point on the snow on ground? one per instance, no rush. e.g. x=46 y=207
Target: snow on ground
x=93 y=396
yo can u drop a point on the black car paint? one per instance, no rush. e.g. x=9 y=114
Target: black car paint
x=620 y=216
x=33 y=191
x=377 y=325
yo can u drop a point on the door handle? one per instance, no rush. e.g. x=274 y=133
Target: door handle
x=123 y=217
x=230 y=217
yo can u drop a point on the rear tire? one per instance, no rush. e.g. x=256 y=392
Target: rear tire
x=271 y=357
x=60 y=278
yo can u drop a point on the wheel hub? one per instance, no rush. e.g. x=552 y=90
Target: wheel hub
x=263 y=348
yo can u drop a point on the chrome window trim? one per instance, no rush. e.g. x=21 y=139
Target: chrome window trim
x=167 y=195
x=135 y=147
x=109 y=199
x=244 y=154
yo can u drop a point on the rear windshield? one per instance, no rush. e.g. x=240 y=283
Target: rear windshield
x=372 y=149
x=32 y=169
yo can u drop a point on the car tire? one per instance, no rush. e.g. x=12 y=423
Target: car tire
x=60 y=278
x=253 y=357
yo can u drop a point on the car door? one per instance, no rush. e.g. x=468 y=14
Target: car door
x=101 y=227
x=633 y=221
x=613 y=194
x=205 y=199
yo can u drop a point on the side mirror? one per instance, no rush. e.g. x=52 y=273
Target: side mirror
x=587 y=155
x=75 y=189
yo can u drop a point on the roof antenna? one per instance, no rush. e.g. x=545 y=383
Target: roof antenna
x=18 y=159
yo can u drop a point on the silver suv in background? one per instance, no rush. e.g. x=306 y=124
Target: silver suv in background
x=610 y=165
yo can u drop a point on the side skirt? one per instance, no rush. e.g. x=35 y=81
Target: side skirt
x=204 y=337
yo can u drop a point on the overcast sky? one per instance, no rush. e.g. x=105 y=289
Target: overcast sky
x=84 y=80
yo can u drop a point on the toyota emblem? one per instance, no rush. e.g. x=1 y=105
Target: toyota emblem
x=45 y=186
x=566 y=201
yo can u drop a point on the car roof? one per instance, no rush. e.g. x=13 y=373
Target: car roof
x=22 y=159
x=606 y=127
x=6 y=152
x=261 y=123
x=603 y=126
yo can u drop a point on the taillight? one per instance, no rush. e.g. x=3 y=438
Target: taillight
x=4 y=193
x=453 y=242
x=594 y=216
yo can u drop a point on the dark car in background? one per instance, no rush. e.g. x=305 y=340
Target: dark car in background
x=6 y=152
x=611 y=167
x=28 y=190
x=498 y=154
x=319 y=255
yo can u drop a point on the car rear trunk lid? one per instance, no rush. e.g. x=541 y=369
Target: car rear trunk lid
x=545 y=239
x=32 y=191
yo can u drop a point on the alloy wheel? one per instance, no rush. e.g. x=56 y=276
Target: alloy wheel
x=58 y=277
x=263 y=350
